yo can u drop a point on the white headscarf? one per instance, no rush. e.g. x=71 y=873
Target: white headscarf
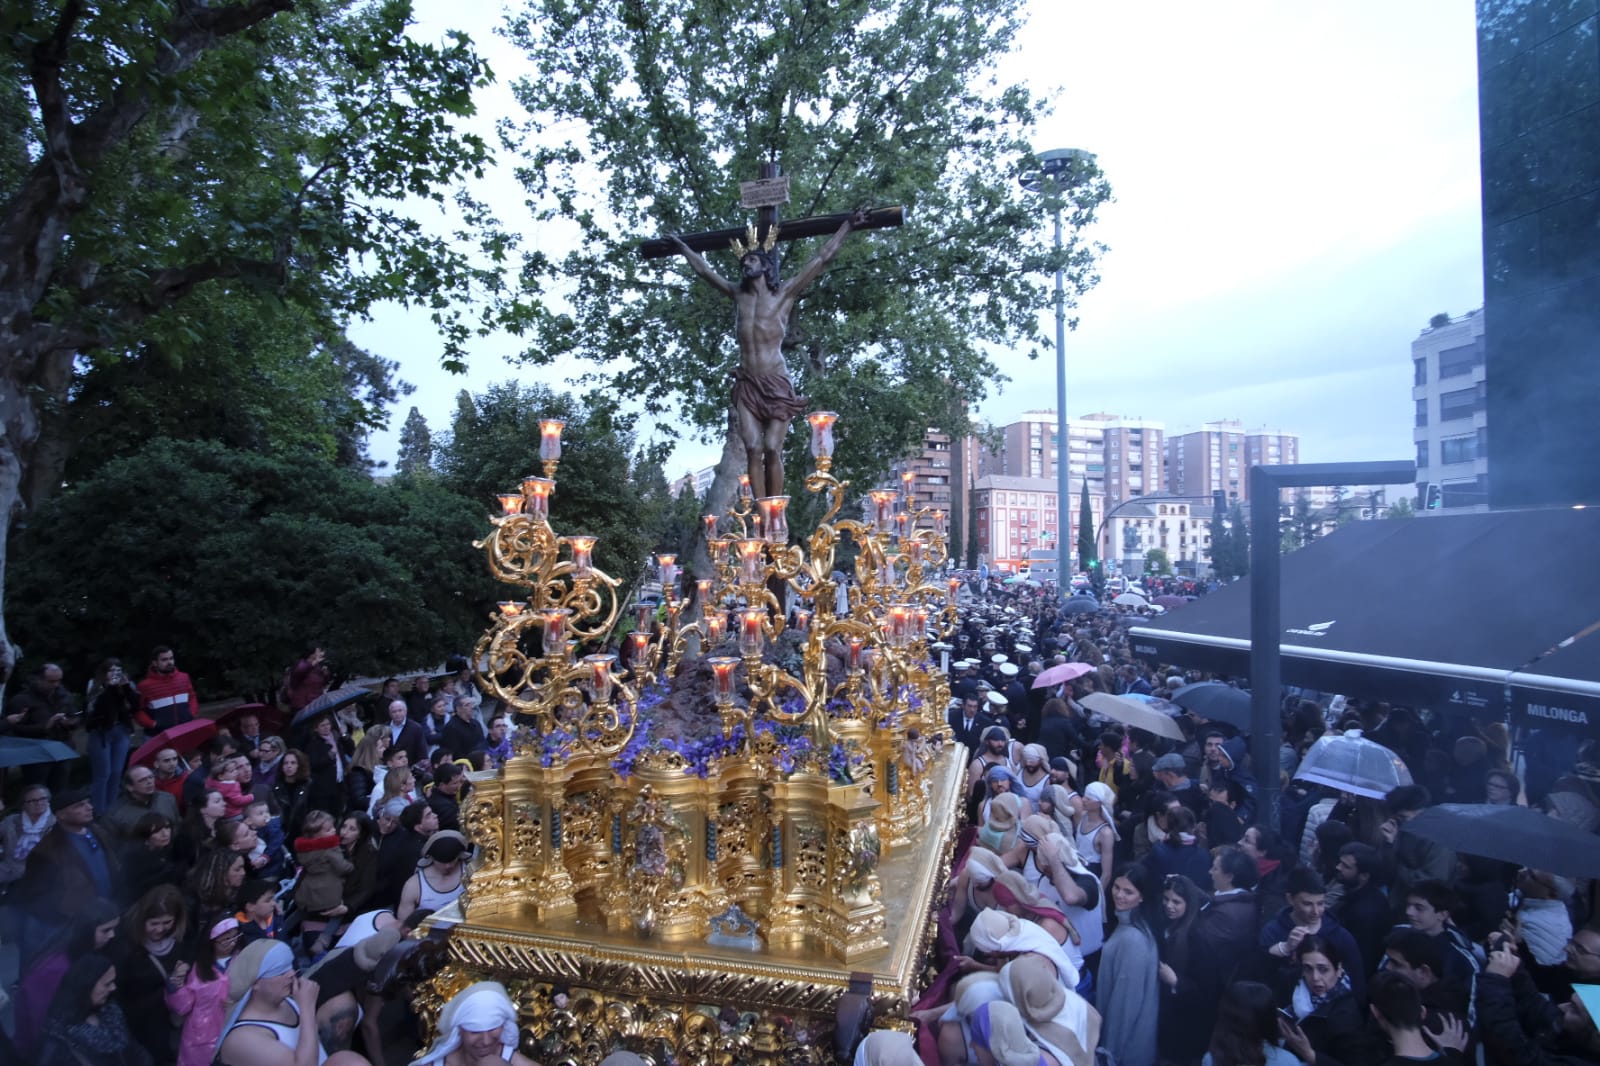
x=477 y=1008
x=887 y=1047
x=995 y=930
x=263 y=958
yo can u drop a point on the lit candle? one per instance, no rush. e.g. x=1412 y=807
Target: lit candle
x=638 y=646
x=550 y=438
x=919 y=622
x=669 y=572
x=672 y=616
x=718 y=547
x=902 y=522
x=722 y=668
x=774 y=522
x=555 y=630
x=710 y=521
x=952 y=590
x=703 y=587
x=914 y=550
x=899 y=625
x=802 y=622
x=716 y=624
x=510 y=503
x=856 y=644
x=752 y=567
x=882 y=509
x=511 y=608
x=908 y=480
x=582 y=555
x=822 y=433
x=744 y=487
x=889 y=576
x=938 y=522
x=537 y=490
x=599 y=681
x=752 y=632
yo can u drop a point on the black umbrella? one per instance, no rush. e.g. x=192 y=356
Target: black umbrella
x=29 y=751
x=329 y=702
x=1215 y=702
x=1520 y=835
x=1080 y=605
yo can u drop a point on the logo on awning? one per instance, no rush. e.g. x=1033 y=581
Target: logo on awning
x=1315 y=629
x=1558 y=714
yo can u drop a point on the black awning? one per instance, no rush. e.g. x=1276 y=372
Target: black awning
x=1561 y=689
x=1435 y=610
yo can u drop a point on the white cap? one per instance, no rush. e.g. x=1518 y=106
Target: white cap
x=1025 y=648
x=1009 y=669
x=997 y=658
x=997 y=699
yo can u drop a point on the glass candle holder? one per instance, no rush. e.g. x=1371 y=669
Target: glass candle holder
x=510 y=503
x=644 y=616
x=752 y=630
x=745 y=492
x=939 y=522
x=638 y=648
x=902 y=524
x=802 y=622
x=914 y=548
x=555 y=630
x=718 y=549
x=716 y=626
x=882 y=509
x=908 y=481
x=919 y=622
x=822 y=433
x=536 y=491
x=899 y=625
x=599 y=682
x=511 y=608
x=703 y=590
x=722 y=671
x=752 y=564
x=673 y=610
x=550 y=438
x=582 y=555
x=952 y=589
x=889 y=573
x=774 y=518
x=669 y=572
x=710 y=522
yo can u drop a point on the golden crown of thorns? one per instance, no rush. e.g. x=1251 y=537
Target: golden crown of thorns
x=752 y=243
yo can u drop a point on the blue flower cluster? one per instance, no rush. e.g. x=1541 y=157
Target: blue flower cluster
x=555 y=745
x=792 y=742
x=843 y=762
x=702 y=753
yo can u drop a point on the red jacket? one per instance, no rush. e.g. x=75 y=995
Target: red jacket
x=166 y=700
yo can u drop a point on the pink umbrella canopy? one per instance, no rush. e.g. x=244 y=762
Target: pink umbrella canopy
x=1055 y=675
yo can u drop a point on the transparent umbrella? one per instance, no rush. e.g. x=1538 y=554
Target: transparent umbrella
x=1352 y=763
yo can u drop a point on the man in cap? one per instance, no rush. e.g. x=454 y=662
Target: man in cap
x=73 y=864
x=994 y=750
x=1173 y=774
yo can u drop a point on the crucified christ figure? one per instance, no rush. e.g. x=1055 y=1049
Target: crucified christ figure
x=764 y=400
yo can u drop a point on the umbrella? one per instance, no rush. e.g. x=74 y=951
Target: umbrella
x=1055 y=675
x=1521 y=835
x=26 y=751
x=182 y=738
x=1169 y=601
x=1130 y=599
x=329 y=702
x=271 y=715
x=1215 y=702
x=1081 y=605
x=1133 y=713
x=1352 y=763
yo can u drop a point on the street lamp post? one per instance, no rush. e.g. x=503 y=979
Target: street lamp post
x=1051 y=180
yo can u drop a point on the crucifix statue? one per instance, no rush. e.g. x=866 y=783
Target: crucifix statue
x=764 y=397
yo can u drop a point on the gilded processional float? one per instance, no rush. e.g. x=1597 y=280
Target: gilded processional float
x=704 y=841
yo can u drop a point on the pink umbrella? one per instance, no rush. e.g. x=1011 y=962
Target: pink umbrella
x=1057 y=674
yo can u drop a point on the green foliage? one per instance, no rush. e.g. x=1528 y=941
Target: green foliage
x=493 y=444
x=237 y=559
x=1088 y=556
x=1401 y=508
x=644 y=117
x=1230 y=544
x=416 y=447
x=1156 y=562
x=1304 y=526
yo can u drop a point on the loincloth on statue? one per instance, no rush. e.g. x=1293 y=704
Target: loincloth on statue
x=769 y=396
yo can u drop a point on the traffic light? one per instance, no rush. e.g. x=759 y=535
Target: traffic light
x=1435 y=498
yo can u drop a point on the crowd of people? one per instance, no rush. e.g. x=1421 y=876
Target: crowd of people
x=1119 y=897
x=236 y=902
x=1123 y=897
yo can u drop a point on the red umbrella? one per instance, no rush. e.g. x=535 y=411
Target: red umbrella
x=1055 y=675
x=271 y=715
x=181 y=738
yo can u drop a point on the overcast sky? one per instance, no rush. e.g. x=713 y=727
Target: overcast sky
x=1297 y=194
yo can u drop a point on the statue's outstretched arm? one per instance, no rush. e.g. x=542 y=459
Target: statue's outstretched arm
x=812 y=270
x=698 y=264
